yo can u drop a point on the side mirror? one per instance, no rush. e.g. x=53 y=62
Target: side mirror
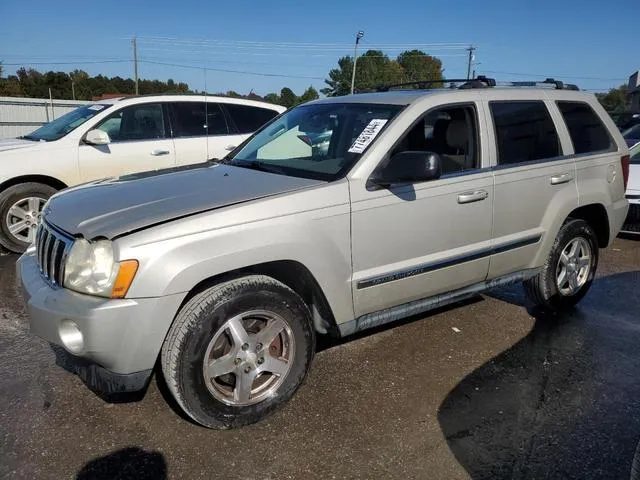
x=408 y=167
x=97 y=137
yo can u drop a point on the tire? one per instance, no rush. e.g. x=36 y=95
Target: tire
x=635 y=465
x=544 y=290
x=198 y=330
x=12 y=196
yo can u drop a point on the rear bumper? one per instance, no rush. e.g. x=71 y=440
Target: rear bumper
x=632 y=221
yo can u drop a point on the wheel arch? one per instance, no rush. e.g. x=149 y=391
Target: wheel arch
x=294 y=275
x=595 y=214
x=44 y=179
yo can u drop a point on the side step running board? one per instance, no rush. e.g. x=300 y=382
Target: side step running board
x=415 y=307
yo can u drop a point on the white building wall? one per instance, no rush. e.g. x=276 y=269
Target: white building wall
x=19 y=116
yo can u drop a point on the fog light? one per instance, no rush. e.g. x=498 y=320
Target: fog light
x=71 y=336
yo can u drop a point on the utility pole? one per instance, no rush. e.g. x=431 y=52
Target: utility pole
x=73 y=89
x=471 y=49
x=135 y=62
x=53 y=113
x=359 y=35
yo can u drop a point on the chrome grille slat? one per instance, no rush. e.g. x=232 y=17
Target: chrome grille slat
x=54 y=259
x=52 y=249
x=45 y=256
x=40 y=245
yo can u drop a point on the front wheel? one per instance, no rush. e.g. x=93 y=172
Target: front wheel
x=569 y=270
x=20 y=211
x=237 y=351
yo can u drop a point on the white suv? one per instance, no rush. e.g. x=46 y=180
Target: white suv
x=112 y=138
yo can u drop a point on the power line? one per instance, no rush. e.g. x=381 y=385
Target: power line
x=64 y=63
x=282 y=54
x=261 y=74
x=247 y=43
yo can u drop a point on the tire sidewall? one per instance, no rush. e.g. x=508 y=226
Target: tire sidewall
x=205 y=408
x=569 y=231
x=9 y=197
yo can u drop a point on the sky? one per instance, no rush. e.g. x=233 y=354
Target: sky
x=266 y=45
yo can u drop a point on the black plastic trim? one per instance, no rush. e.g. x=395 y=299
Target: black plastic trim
x=429 y=267
x=106 y=382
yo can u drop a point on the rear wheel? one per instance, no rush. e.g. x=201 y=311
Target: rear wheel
x=237 y=351
x=20 y=212
x=569 y=270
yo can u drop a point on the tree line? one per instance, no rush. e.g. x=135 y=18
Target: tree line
x=79 y=84
x=374 y=68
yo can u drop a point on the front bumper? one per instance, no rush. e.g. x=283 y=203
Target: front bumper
x=120 y=339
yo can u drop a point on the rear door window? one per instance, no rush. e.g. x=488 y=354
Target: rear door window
x=195 y=119
x=524 y=131
x=586 y=130
x=248 y=119
x=188 y=119
x=216 y=121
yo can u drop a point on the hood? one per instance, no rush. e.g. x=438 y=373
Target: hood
x=113 y=207
x=13 y=143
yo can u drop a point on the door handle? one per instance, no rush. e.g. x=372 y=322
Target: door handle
x=228 y=148
x=562 y=178
x=157 y=152
x=476 y=196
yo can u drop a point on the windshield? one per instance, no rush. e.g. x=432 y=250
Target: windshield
x=320 y=141
x=59 y=127
x=632 y=133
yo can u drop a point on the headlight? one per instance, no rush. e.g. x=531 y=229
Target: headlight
x=91 y=269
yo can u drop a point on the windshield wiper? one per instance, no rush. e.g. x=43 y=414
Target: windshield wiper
x=29 y=137
x=257 y=165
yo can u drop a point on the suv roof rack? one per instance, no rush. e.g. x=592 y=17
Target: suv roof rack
x=558 y=85
x=481 y=81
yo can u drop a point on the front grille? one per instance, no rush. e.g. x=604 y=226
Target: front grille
x=52 y=247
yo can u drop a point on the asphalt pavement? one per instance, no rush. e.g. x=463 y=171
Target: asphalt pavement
x=484 y=389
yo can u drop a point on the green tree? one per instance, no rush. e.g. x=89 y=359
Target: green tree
x=287 y=97
x=339 y=81
x=417 y=65
x=375 y=69
x=615 y=100
x=272 y=98
x=10 y=86
x=308 y=95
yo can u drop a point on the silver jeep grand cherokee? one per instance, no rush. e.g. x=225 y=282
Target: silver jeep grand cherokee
x=339 y=215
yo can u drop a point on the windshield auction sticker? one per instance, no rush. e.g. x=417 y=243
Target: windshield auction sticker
x=367 y=136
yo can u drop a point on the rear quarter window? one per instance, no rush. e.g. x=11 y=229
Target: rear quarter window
x=588 y=133
x=248 y=119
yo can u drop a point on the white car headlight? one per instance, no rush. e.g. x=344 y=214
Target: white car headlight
x=91 y=268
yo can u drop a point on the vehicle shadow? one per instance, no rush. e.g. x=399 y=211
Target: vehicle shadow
x=564 y=402
x=128 y=463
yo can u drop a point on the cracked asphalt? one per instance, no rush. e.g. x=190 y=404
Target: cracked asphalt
x=483 y=389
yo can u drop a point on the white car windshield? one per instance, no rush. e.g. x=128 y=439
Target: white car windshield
x=59 y=127
x=320 y=141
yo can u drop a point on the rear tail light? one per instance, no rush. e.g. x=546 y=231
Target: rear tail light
x=626 y=159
